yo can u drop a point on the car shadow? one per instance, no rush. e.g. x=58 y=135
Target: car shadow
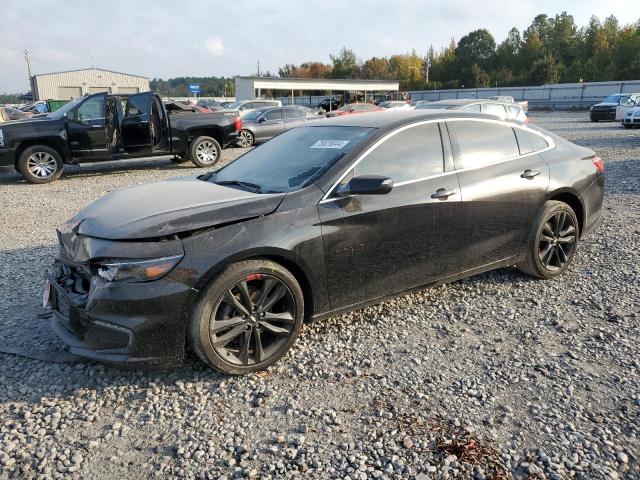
x=111 y=168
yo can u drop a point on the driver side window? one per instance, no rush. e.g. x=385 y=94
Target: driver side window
x=91 y=109
x=411 y=154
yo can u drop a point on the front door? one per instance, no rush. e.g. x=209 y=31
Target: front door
x=137 y=128
x=86 y=129
x=270 y=124
x=503 y=186
x=376 y=245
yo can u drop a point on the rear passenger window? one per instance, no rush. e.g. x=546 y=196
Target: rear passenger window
x=475 y=108
x=513 y=111
x=495 y=109
x=409 y=155
x=481 y=143
x=292 y=113
x=530 y=142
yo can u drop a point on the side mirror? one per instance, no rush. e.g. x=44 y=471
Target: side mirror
x=262 y=119
x=366 y=185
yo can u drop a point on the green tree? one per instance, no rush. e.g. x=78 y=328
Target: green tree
x=376 y=68
x=345 y=64
x=475 y=48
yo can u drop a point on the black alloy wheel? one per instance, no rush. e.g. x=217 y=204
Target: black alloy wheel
x=557 y=241
x=253 y=320
x=553 y=241
x=248 y=317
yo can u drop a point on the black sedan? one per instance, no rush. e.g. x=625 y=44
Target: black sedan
x=322 y=219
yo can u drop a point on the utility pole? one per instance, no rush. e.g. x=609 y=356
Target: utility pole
x=258 y=68
x=26 y=57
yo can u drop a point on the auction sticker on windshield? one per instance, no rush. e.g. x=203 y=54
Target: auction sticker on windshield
x=329 y=144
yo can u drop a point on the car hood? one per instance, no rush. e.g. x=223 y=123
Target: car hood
x=606 y=104
x=166 y=208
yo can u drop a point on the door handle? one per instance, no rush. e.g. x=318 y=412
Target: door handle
x=443 y=193
x=528 y=173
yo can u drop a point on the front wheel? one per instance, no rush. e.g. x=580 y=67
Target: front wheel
x=205 y=151
x=628 y=127
x=248 y=317
x=40 y=164
x=245 y=138
x=552 y=243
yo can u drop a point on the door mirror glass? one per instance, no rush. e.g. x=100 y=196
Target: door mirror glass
x=366 y=185
x=262 y=119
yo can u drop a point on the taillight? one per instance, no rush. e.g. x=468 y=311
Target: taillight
x=238 y=124
x=599 y=163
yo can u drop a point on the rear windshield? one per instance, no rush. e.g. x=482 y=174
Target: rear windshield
x=292 y=160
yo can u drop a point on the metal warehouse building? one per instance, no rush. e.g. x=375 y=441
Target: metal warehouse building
x=75 y=83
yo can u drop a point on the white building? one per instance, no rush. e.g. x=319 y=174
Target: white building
x=75 y=83
x=248 y=88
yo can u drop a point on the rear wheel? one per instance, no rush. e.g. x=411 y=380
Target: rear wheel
x=205 y=151
x=248 y=317
x=40 y=164
x=552 y=244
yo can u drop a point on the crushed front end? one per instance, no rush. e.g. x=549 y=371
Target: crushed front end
x=115 y=316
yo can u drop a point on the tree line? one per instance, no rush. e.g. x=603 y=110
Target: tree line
x=179 y=86
x=550 y=50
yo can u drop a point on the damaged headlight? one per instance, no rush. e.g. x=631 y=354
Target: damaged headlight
x=136 y=270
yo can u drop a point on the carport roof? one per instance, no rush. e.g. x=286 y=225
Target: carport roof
x=279 y=83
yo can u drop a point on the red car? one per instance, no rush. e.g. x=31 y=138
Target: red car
x=351 y=108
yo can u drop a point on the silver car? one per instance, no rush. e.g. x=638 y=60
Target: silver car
x=264 y=123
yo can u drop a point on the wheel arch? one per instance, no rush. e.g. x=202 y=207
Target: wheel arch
x=281 y=257
x=214 y=132
x=54 y=143
x=572 y=199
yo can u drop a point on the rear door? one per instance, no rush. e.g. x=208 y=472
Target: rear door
x=380 y=244
x=293 y=116
x=502 y=189
x=85 y=129
x=136 y=126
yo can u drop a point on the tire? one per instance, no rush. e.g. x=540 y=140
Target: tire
x=205 y=152
x=180 y=159
x=246 y=139
x=594 y=120
x=548 y=259
x=221 y=345
x=628 y=127
x=40 y=164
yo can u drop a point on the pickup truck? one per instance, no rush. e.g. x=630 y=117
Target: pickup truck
x=112 y=127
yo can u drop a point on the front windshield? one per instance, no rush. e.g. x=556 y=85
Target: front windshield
x=385 y=104
x=293 y=159
x=345 y=108
x=234 y=105
x=612 y=99
x=67 y=107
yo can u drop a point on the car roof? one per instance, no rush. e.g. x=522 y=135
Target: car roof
x=397 y=118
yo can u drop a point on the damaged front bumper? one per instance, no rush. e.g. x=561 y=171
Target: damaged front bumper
x=120 y=323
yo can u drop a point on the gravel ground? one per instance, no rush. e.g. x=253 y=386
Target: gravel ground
x=496 y=376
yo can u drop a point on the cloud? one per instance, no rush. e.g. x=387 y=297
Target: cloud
x=215 y=46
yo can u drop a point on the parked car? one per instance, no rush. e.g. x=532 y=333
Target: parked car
x=394 y=105
x=324 y=104
x=631 y=118
x=351 y=108
x=211 y=105
x=310 y=108
x=15 y=113
x=3 y=115
x=245 y=106
x=606 y=109
x=626 y=103
x=112 y=127
x=417 y=103
x=502 y=110
x=509 y=99
x=264 y=123
x=325 y=218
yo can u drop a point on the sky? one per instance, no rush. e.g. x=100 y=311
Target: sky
x=165 y=39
